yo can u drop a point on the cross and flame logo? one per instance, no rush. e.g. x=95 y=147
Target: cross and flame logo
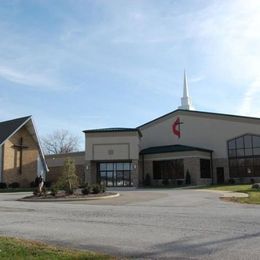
x=176 y=127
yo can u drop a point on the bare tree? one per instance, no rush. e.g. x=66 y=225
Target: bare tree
x=60 y=141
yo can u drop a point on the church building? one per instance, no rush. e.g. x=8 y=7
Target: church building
x=177 y=147
x=21 y=157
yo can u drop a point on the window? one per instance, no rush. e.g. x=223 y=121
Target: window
x=244 y=154
x=170 y=169
x=205 y=170
x=248 y=141
x=115 y=174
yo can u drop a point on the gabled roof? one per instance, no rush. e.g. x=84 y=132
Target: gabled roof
x=172 y=149
x=200 y=113
x=8 y=128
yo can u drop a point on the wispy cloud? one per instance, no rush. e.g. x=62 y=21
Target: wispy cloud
x=131 y=55
x=29 y=79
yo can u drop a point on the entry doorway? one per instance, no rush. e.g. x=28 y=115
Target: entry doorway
x=220 y=175
x=115 y=174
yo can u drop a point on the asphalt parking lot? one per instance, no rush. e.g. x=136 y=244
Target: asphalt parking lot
x=142 y=224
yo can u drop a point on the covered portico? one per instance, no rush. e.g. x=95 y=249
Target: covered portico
x=174 y=162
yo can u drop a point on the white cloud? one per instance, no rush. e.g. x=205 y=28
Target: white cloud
x=146 y=43
x=28 y=78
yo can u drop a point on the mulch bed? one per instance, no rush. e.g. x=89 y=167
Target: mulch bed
x=63 y=196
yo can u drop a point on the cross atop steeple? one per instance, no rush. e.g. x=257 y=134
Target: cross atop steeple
x=186 y=100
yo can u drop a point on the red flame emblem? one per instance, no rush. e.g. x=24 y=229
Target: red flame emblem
x=176 y=127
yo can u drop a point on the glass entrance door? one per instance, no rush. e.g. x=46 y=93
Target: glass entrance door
x=116 y=174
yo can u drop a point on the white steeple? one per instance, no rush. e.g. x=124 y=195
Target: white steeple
x=186 y=100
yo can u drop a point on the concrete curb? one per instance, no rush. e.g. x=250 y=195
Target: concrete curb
x=227 y=194
x=74 y=199
x=231 y=194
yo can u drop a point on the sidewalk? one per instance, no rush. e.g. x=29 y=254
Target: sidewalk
x=227 y=194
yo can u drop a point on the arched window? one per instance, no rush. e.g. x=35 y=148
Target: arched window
x=244 y=156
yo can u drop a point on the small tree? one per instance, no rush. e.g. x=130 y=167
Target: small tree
x=69 y=179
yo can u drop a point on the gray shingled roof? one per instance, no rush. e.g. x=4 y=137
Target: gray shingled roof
x=115 y=129
x=171 y=149
x=7 y=128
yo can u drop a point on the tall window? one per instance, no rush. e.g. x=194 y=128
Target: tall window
x=205 y=171
x=244 y=156
x=170 y=169
x=115 y=173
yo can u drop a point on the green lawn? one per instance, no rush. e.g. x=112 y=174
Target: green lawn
x=14 y=248
x=254 y=195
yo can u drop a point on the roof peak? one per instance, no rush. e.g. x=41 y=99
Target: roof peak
x=9 y=127
x=19 y=118
x=199 y=113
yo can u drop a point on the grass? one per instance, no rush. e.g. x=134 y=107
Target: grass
x=14 y=248
x=253 y=194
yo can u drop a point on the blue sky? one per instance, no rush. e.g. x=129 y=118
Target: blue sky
x=87 y=64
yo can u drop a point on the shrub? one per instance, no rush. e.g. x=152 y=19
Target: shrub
x=165 y=182
x=33 y=184
x=147 y=180
x=103 y=187
x=179 y=182
x=84 y=185
x=86 y=190
x=47 y=184
x=35 y=192
x=54 y=191
x=256 y=186
x=3 y=185
x=231 y=181
x=14 y=185
x=96 y=189
x=44 y=191
x=188 y=178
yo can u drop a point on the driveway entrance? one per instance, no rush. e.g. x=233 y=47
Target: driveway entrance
x=141 y=224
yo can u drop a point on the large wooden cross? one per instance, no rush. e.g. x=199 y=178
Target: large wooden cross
x=20 y=147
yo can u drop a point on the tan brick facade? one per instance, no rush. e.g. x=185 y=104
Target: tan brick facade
x=56 y=162
x=56 y=172
x=11 y=162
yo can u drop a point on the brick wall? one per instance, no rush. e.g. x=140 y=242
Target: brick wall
x=56 y=172
x=55 y=163
x=11 y=162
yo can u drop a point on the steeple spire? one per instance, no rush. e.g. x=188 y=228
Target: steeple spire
x=186 y=100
